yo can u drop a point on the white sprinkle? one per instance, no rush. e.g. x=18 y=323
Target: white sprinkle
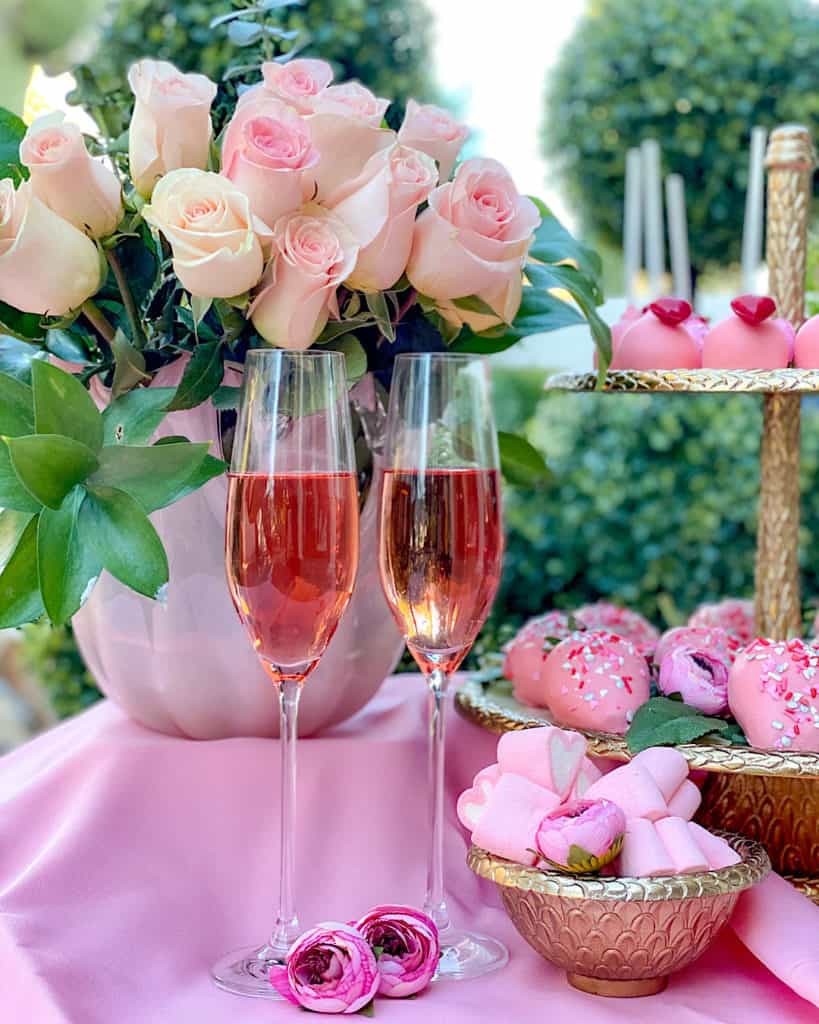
x=566 y=665
x=620 y=684
x=785 y=741
x=603 y=693
x=588 y=696
x=777 y=725
x=629 y=716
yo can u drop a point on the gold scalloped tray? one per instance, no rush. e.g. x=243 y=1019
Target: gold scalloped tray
x=703 y=381
x=498 y=713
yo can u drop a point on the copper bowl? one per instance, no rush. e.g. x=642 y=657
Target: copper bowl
x=621 y=936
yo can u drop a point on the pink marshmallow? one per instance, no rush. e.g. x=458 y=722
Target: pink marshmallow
x=682 y=845
x=509 y=823
x=634 y=791
x=589 y=774
x=718 y=852
x=643 y=852
x=685 y=802
x=666 y=766
x=472 y=802
x=548 y=756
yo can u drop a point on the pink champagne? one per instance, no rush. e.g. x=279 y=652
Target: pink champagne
x=291 y=558
x=440 y=555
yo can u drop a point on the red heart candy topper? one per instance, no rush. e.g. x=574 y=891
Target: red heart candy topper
x=671 y=312
x=754 y=309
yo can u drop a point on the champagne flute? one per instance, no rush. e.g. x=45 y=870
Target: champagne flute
x=291 y=554
x=440 y=554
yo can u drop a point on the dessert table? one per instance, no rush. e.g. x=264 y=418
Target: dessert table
x=130 y=861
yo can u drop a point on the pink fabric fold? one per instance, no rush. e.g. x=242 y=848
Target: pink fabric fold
x=130 y=861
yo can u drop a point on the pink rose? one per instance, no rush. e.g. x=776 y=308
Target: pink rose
x=381 y=214
x=47 y=266
x=473 y=238
x=406 y=945
x=435 y=132
x=330 y=969
x=699 y=676
x=352 y=100
x=215 y=239
x=313 y=252
x=170 y=126
x=582 y=836
x=299 y=82
x=266 y=149
x=82 y=191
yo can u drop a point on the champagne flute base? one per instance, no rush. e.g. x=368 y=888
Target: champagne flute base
x=467 y=955
x=245 y=972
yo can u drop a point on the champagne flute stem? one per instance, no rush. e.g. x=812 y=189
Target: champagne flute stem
x=435 y=903
x=286 y=930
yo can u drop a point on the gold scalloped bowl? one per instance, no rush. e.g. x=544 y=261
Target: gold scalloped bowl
x=621 y=936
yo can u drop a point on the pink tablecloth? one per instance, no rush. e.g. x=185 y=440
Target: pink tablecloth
x=130 y=861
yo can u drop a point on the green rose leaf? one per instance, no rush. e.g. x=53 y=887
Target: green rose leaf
x=539 y=313
x=67 y=345
x=49 y=465
x=12 y=527
x=63 y=406
x=521 y=463
x=202 y=376
x=133 y=417
x=16 y=407
x=159 y=475
x=68 y=559
x=226 y=397
x=355 y=358
x=12 y=132
x=554 y=244
x=127 y=544
x=20 y=599
x=130 y=366
x=662 y=721
x=12 y=493
x=584 y=292
x=25 y=326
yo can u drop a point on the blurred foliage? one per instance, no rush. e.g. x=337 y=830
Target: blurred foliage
x=51 y=654
x=697 y=76
x=385 y=44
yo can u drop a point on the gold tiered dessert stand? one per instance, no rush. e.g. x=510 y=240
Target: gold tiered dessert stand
x=768 y=795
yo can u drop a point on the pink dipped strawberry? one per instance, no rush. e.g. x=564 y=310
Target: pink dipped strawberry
x=750 y=339
x=773 y=692
x=581 y=837
x=659 y=340
x=733 y=614
x=595 y=680
x=622 y=621
x=526 y=653
x=806 y=345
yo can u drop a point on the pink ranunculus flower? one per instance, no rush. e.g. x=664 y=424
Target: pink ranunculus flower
x=381 y=214
x=406 y=945
x=582 y=836
x=170 y=126
x=83 y=191
x=299 y=82
x=313 y=252
x=435 y=132
x=699 y=676
x=265 y=152
x=47 y=266
x=215 y=239
x=330 y=969
x=473 y=238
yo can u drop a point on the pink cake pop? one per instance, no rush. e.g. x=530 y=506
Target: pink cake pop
x=773 y=692
x=526 y=653
x=622 y=621
x=658 y=340
x=701 y=638
x=595 y=680
x=749 y=340
x=806 y=346
x=734 y=615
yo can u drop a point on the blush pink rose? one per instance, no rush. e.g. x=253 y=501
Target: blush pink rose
x=330 y=969
x=170 y=126
x=81 y=190
x=473 y=238
x=381 y=214
x=47 y=266
x=313 y=252
x=215 y=239
x=435 y=132
x=353 y=100
x=406 y=944
x=265 y=152
x=299 y=82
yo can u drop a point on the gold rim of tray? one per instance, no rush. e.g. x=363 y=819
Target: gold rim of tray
x=703 y=381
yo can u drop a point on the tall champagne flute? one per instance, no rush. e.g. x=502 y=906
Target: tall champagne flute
x=440 y=553
x=291 y=554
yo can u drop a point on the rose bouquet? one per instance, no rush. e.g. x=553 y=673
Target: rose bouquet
x=304 y=221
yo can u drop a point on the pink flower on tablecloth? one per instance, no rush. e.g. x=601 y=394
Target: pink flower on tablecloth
x=406 y=944
x=330 y=969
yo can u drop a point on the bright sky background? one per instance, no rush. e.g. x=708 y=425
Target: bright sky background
x=497 y=67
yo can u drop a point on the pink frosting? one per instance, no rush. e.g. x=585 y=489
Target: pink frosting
x=702 y=638
x=526 y=654
x=623 y=621
x=806 y=346
x=595 y=680
x=734 y=344
x=649 y=344
x=734 y=615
